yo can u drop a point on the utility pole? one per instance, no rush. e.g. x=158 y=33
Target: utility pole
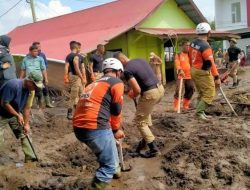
x=32 y=7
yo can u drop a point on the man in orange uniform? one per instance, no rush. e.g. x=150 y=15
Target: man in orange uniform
x=182 y=65
x=204 y=72
x=97 y=120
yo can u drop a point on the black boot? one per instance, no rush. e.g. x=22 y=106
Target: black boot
x=234 y=86
x=142 y=145
x=70 y=114
x=153 y=151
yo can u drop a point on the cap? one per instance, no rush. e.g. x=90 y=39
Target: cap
x=36 y=78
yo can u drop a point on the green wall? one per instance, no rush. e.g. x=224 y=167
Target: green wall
x=168 y=15
x=136 y=44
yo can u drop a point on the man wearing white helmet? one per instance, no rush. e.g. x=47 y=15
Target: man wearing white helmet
x=203 y=69
x=97 y=120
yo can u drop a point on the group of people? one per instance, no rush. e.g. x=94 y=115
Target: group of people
x=96 y=95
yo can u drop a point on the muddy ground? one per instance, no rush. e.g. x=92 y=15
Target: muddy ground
x=195 y=155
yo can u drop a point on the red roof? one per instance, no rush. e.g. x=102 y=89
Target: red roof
x=92 y=26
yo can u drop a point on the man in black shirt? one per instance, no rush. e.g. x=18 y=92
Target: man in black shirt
x=143 y=82
x=96 y=60
x=77 y=78
x=233 y=53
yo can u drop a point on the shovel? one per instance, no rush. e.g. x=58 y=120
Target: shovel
x=36 y=158
x=120 y=153
x=179 y=97
x=231 y=107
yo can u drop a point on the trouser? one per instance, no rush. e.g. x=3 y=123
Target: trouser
x=19 y=134
x=103 y=145
x=145 y=107
x=233 y=73
x=189 y=88
x=76 y=90
x=205 y=85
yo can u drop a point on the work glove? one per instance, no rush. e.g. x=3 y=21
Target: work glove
x=66 y=79
x=131 y=94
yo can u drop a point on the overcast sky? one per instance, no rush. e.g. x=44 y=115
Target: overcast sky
x=21 y=13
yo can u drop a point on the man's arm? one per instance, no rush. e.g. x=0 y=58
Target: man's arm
x=44 y=71
x=23 y=70
x=77 y=69
x=116 y=107
x=84 y=73
x=66 y=73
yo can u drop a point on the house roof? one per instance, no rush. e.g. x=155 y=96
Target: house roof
x=97 y=25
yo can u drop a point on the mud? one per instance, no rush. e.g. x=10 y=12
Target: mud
x=195 y=155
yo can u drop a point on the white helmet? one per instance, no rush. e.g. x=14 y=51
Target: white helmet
x=112 y=63
x=203 y=28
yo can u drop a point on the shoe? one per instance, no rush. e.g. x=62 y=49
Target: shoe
x=186 y=103
x=98 y=185
x=238 y=81
x=176 y=102
x=142 y=145
x=207 y=116
x=201 y=116
x=48 y=103
x=70 y=114
x=118 y=173
x=152 y=152
x=234 y=86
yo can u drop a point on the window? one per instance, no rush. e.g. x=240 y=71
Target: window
x=236 y=13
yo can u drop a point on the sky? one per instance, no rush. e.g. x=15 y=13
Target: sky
x=21 y=13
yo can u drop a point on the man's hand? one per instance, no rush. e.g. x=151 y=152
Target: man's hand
x=181 y=73
x=5 y=65
x=46 y=82
x=26 y=129
x=217 y=82
x=119 y=134
x=93 y=77
x=66 y=79
x=20 y=119
x=131 y=94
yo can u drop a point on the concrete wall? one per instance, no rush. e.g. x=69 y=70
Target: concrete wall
x=223 y=15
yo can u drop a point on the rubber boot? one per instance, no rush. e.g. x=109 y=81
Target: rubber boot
x=27 y=150
x=234 y=86
x=176 y=101
x=97 y=185
x=70 y=114
x=186 y=104
x=153 y=151
x=142 y=145
x=238 y=81
x=48 y=103
x=118 y=173
x=200 y=110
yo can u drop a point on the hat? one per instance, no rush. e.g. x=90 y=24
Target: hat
x=233 y=40
x=151 y=55
x=36 y=78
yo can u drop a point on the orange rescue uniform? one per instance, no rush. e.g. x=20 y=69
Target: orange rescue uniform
x=100 y=106
x=182 y=63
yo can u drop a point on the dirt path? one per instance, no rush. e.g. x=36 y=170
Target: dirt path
x=195 y=155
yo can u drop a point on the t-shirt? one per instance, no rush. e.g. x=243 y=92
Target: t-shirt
x=233 y=53
x=201 y=56
x=31 y=64
x=100 y=105
x=142 y=72
x=70 y=59
x=97 y=62
x=15 y=94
